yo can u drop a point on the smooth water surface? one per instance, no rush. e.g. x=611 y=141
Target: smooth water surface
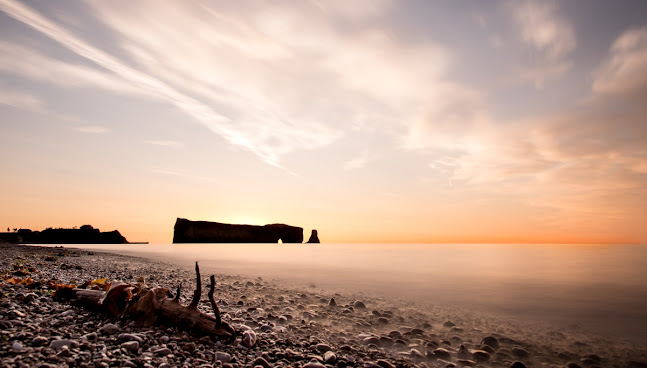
x=602 y=288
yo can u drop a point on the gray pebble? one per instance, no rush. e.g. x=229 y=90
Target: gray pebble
x=16 y=347
x=222 y=356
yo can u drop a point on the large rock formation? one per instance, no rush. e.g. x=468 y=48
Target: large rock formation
x=84 y=235
x=187 y=231
x=313 y=237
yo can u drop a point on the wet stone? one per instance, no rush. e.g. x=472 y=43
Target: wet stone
x=130 y=337
x=383 y=320
x=59 y=344
x=371 y=340
x=481 y=355
x=109 y=329
x=441 y=353
x=384 y=364
x=162 y=351
x=490 y=341
x=39 y=341
x=589 y=362
x=466 y=362
x=262 y=362
x=16 y=347
x=92 y=336
x=488 y=348
x=330 y=357
x=131 y=345
x=463 y=352
x=313 y=364
x=520 y=352
x=322 y=348
x=222 y=356
x=249 y=339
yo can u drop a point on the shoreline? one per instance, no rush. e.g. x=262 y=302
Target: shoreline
x=295 y=327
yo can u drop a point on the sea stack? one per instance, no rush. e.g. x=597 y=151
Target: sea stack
x=187 y=231
x=313 y=237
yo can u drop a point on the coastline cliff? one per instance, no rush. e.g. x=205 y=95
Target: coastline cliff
x=86 y=234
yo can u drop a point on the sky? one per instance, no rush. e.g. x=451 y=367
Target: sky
x=368 y=120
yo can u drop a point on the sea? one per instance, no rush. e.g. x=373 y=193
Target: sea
x=599 y=288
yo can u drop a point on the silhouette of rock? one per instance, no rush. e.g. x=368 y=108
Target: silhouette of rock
x=84 y=235
x=313 y=237
x=187 y=231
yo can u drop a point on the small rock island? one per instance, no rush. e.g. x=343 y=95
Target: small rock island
x=314 y=238
x=86 y=234
x=187 y=231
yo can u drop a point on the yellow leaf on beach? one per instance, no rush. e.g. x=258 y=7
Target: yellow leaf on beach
x=13 y=280
x=99 y=281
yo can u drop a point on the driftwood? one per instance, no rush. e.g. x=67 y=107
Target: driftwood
x=146 y=306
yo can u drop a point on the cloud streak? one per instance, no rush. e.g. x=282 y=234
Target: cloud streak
x=92 y=129
x=550 y=37
x=151 y=86
x=165 y=143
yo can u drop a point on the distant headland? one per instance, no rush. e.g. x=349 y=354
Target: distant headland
x=86 y=234
x=187 y=231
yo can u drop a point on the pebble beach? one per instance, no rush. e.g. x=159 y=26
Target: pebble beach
x=292 y=326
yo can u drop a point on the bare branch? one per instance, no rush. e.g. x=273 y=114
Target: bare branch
x=177 y=294
x=216 y=311
x=198 y=288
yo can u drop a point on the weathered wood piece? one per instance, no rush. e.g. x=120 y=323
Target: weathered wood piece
x=147 y=306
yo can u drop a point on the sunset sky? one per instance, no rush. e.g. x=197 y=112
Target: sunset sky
x=371 y=121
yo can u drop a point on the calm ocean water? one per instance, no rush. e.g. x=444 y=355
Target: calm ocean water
x=602 y=288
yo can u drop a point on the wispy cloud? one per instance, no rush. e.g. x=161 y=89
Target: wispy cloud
x=358 y=162
x=92 y=129
x=165 y=143
x=625 y=70
x=65 y=74
x=20 y=100
x=256 y=132
x=549 y=35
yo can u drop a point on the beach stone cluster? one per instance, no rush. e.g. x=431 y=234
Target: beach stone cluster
x=279 y=326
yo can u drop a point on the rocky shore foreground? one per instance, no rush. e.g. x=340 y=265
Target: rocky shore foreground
x=291 y=327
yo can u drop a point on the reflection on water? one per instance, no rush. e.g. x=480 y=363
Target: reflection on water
x=600 y=287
